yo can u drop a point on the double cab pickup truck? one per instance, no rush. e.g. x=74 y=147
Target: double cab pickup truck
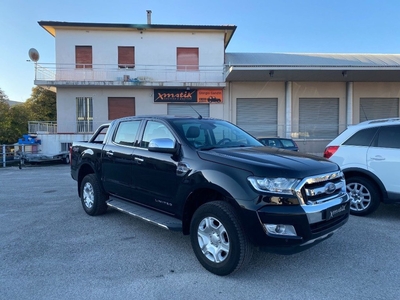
x=209 y=179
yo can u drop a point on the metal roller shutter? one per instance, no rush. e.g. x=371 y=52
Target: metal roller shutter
x=319 y=118
x=188 y=110
x=378 y=108
x=257 y=116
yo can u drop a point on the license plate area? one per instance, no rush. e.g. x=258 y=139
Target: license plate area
x=337 y=210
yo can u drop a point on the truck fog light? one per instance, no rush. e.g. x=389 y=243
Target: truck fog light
x=280 y=229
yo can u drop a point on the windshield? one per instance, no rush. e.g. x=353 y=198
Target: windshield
x=206 y=134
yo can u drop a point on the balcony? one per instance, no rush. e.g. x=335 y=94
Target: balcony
x=140 y=76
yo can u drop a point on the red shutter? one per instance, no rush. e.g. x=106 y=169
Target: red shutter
x=187 y=59
x=126 y=57
x=83 y=56
x=119 y=107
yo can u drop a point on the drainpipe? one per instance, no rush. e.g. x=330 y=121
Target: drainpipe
x=349 y=103
x=288 y=108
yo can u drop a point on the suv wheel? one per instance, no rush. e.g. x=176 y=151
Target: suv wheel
x=218 y=239
x=363 y=194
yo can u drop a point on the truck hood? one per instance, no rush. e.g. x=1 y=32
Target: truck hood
x=270 y=162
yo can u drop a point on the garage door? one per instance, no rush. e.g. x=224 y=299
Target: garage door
x=319 y=118
x=378 y=108
x=257 y=116
x=189 y=110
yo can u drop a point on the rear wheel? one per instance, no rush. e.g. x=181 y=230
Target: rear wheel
x=363 y=194
x=218 y=239
x=92 y=197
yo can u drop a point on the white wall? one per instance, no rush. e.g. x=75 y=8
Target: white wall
x=151 y=48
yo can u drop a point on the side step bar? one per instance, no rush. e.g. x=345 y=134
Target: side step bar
x=146 y=214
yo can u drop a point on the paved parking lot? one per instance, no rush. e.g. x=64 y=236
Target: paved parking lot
x=50 y=249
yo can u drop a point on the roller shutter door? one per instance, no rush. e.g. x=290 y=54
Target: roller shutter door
x=378 y=108
x=257 y=116
x=188 y=110
x=319 y=118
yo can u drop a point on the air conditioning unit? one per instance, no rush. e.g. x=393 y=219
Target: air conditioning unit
x=126 y=78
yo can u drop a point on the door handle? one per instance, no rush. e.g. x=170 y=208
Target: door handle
x=109 y=153
x=378 y=157
x=139 y=160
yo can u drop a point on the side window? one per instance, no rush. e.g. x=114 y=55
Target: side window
x=155 y=130
x=362 y=138
x=388 y=137
x=126 y=133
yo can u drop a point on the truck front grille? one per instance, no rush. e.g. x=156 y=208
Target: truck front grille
x=319 y=189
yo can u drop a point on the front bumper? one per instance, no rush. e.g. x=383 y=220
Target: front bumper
x=313 y=224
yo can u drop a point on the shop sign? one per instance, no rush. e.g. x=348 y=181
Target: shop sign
x=175 y=95
x=209 y=96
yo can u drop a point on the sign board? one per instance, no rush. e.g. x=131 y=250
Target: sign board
x=187 y=96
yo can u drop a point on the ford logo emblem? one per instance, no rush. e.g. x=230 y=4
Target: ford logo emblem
x=330 y=188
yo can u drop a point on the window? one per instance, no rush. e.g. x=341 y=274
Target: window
x=362 y=138
x=187 y=59
x=126 y=133
x=155 y=130
x=83 y=57
x=84 y=112
x=126 y=57
x=119 y=107
x=65 y=146
x=389 y=137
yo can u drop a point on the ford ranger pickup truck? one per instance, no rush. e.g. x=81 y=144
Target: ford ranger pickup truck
x=209 y=179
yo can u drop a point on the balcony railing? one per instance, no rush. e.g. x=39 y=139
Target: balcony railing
x=37 y=127
x=106 y=74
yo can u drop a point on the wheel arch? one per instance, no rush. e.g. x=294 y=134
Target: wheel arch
x=84 y=170
x=199 y=197
x=354 y=172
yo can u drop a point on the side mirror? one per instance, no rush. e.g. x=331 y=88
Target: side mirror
x=164 y=145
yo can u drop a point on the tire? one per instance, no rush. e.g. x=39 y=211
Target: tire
x=364 y=196
x=218 y=239
x=66 y=160
x=92 y=197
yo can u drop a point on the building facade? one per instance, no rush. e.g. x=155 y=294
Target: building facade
x=105 y=71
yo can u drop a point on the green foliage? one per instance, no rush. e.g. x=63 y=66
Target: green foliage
x=41 y=106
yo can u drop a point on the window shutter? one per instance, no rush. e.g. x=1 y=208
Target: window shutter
x=187 y=59
x=83 y=57
x=126 y=57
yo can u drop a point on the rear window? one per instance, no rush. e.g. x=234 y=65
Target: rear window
x=288 y=143
x=363 y=137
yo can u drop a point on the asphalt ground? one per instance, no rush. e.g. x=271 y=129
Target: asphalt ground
x=51 y=249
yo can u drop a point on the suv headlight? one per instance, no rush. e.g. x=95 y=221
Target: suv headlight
x=279 y=185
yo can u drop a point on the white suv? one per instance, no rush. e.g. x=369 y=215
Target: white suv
x=369 y=155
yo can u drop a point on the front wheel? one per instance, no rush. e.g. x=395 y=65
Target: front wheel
x=363 y=194
x=92 y=197
x=218 y=239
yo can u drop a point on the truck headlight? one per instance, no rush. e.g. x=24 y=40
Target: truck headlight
x=279 y=185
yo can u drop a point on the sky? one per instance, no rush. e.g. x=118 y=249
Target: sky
x=266 y=26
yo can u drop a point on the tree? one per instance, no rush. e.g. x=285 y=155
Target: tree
x=42 y=104
x=5 y=120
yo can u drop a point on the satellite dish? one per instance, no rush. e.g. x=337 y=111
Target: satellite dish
x=33 y=54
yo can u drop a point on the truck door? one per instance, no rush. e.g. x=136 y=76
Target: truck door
x=117 y=159
x=154 y=174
